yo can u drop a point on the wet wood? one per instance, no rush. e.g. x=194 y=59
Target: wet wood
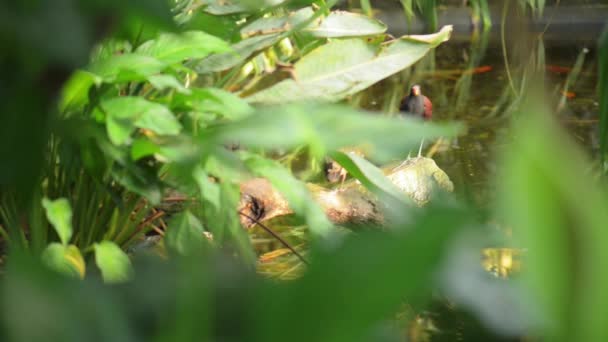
x=350 y=203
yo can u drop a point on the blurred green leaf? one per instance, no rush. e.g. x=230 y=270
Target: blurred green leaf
x=329 y=74
x=346 y=24
x=241 y=51
x=220 y=199
x=114 y=264
x=75 y=92
x=222 y=27
x=126 y=67
x=275 y=24
x=215 y=100
x=162 y=82
x=126 y=113
x=369 y=175
x=143 y=147
x=336 y=24
x=368 y=277
x=59 y=214
x=173 y=48
x=228 y=220
x=223 y=7
x=140 y=181
x=65 y=259
x=210 y=197
x=330 y=127
x=296 y=193
x=185 y=235
x=558 y=214
x=603 y=93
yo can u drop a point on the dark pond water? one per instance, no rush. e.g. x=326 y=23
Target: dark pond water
x=470 y=159
x=465 y=79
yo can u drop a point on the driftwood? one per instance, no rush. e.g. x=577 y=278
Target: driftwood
x=350 y=203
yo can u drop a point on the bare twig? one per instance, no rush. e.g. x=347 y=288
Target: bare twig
x=276 y=236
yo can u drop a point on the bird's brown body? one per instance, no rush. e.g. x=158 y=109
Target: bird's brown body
x=417 y=104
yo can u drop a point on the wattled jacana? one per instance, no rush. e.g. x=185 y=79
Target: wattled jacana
x=417 y=104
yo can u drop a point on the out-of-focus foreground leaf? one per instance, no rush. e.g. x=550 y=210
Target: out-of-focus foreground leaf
x=65 y=259
x=59 y=213
x=185 y=235
x=294 y=190
x=114 y=264
x=603 y=95
x=172 y=48
x=348 y=291
x=369 y=175
x=326 y=128
x=559 y=215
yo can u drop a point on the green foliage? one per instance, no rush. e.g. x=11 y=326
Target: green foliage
x=59 y=214
x=326 y=128
x=65 y=259
x=207 y=298
x=329 y=74
x=124 y=114
x=174 y=48
x=185 y=236
x=114 y=264
x=150 y=115
x=541 y=198
x=368 y=174
x=603 y=90
x=295 y=191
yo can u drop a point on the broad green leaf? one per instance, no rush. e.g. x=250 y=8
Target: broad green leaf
x=326 y=127
x=181 y=149
x=603 y=89
x=215 y=100
x=223 y=7
x=330 y=74
x=173 y=48
x=162 y=82
x=270 y=25
x=143 y=147
x=75 y=92
x=210 y=198
x=223 y=27
x=126 y=67
x=241 y=51
x=336 y=24
x=559 y=214
x=369 y=175
x=228 y=218
x=140 y=181
x=65 y=259
x=124 y=114
x=59 y=214
x=114 y=264
x=345 y=24
x=185 y=235
x=225 y=165
x=296 y=193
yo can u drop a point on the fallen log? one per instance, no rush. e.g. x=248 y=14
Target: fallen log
x=350 y=203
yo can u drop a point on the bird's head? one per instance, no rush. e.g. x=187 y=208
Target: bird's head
x=415 y=90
